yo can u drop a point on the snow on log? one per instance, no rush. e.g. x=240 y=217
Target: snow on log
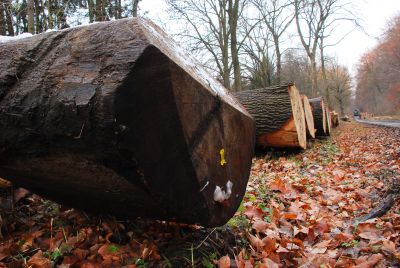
x=308 y=116
x=279 y=116
x=115 y=118
x=319 y=114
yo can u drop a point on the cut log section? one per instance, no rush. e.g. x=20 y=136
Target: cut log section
x=334 y=119
x=309 y=117
x=279 y=116
x=319 y=115
x=328 y=121
x=115 y=118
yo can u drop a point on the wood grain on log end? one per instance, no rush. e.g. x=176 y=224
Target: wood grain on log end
x=309 y=117
x=328 y=121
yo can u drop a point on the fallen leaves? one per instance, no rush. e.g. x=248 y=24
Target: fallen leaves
x=303 y=208
x=299 y=211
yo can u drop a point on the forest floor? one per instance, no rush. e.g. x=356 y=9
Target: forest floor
x=307 y=209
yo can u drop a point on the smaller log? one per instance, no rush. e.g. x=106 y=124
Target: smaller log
x=318 y=109
x=345 y=118
x=279 y=115
x=328 y=121
x=334 y=119
x=309 y=117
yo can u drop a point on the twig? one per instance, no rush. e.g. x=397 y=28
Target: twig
x=202 y=242
x=80 y=133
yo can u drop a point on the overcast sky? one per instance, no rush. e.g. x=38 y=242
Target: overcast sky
x=373 y=14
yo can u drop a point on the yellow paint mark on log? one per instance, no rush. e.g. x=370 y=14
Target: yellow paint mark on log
x=222 y=153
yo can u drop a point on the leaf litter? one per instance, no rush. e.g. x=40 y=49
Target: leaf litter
x=300 y=210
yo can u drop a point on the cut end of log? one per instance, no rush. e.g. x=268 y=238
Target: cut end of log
x=334 y=119
x=309 y=117
x=319 y=115
x=328 y=121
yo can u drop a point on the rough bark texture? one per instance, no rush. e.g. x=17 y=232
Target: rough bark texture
x=116 y=119
x=319 y=114
x=279 y=116
x=309 y=117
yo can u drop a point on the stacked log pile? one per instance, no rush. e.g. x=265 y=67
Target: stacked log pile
x=119 y=123
x=279 y=116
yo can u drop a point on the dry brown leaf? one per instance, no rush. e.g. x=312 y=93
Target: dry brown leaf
x=224 y=262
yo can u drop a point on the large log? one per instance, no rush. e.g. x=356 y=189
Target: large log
x=319 y=115
x=115 y=118
x=279 y=116
x=308 y=116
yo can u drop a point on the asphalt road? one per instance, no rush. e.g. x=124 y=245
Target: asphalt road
x=379 y=123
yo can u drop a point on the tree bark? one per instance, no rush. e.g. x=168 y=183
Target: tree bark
x=98 y=10
x=309 y=117
x=278 y=59
x=91 y=11
x=9 y=19
x=279 y=116
x=135 y=5
x=319 y=114
x=38 y=25
x=233 y=20
x=50 y=14
x=3 y=21
x=31 y=18
x=122 y=124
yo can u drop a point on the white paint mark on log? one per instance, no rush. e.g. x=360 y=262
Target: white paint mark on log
x=220 y=195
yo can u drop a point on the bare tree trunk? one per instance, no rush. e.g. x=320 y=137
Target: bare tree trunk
x=233 y=19
x=99 y=16
x=31 y=19
x=135 y=4
x=44 y=17
x=37 y=17
x=278 y=59
x=103 y=10
x=314 y=76
x=2 y=19
x=91 y=10
x=8 y=9
x=115 y=9
x=50 y=14
x=119 y=9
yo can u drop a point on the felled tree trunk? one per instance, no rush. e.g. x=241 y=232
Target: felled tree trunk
x=319 y=115
x=279 y=116
x=334 y=119
x=328 y=121
x=115 y=118
x=309 y=117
